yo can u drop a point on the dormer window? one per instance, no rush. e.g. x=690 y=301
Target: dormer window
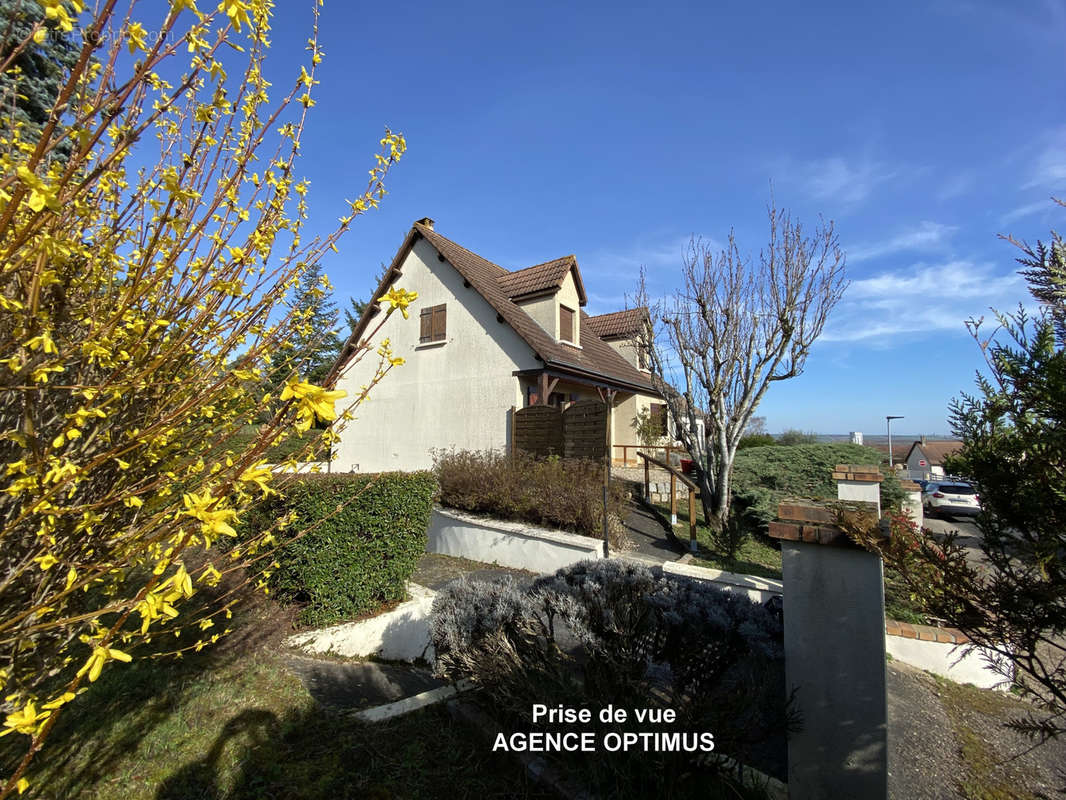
x=566 y=324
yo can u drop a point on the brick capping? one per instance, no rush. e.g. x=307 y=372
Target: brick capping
x=868 y=473
x=925 y=633
x=909 y=486
x=813 y=521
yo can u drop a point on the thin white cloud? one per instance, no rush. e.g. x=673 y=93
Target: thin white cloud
x=1025 y=211
x=838 y=180
x=957 y=185
x=925 y=236
x=1048 y=167
x=927 y=299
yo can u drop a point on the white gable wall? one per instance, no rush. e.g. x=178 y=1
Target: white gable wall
x=455 y=394
x=545 y=310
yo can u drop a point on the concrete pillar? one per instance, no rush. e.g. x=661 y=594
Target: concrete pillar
x=912 y=502
x=834 y=657
x=860 y=482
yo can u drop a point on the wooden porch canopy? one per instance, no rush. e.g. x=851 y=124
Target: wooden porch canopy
x=548 y=378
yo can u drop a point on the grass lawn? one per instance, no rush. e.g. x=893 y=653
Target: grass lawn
x=755 y=557
x=234 y=723
x=758 y=556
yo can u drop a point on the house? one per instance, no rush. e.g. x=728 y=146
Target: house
x=928 y=458
x=482 y=341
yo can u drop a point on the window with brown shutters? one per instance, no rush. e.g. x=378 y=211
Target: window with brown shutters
x=433 y=324
x=566 y=324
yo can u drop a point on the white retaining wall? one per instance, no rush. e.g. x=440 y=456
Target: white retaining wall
x=758 y=589
x=947 y=660
x=509 y=544
x=401 y=634
x=943 y=659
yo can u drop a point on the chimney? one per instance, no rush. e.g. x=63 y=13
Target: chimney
x=425 y=221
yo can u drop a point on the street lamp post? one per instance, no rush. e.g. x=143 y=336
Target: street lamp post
x=888 y=423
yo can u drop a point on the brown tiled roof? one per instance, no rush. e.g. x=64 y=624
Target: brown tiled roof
x=539 y=278
x=595 y=357
x=618 y=323
x=935 y=452
x=900 y=450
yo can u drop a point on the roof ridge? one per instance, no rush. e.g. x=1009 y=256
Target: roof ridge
x=549 y=262
x=424 y=230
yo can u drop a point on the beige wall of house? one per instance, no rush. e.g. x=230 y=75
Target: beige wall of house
x=624 y=414
x=628 y=350
x=455 y=393
x=545 y=310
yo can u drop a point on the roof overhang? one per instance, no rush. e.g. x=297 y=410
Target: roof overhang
x=581 y=375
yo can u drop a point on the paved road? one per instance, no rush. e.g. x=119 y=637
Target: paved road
x=969 y=536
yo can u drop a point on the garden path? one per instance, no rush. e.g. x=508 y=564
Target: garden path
x=650 y=538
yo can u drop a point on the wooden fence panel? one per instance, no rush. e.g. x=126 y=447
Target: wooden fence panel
x=539 y=430
x=584 y=428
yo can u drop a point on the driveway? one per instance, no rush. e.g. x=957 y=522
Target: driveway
x=969 y=536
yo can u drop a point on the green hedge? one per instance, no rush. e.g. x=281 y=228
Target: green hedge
x=359 y=558
x=763 y=476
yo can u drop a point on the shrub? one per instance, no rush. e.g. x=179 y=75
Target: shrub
x=562 y=493
x=755 y=440
x=794 y=436
x=365 y=534
x=763 y=476
x=611 y=632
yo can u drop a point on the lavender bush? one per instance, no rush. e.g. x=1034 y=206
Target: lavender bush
x=612 y=632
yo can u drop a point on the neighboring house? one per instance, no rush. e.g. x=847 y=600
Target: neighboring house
x=928 y=457
x=482 y=340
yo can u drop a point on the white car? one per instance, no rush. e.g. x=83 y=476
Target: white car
x=951 y=498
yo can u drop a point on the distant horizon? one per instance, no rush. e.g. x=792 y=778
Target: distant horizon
x=881 y=437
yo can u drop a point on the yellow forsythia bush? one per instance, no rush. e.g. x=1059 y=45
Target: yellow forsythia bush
x=150 y=234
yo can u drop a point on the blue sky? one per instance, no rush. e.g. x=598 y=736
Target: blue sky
x=616 y=132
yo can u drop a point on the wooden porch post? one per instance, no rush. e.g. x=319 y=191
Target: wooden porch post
x=546 y=387
x=607 y=471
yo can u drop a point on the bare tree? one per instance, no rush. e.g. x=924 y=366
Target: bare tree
x=735 y=326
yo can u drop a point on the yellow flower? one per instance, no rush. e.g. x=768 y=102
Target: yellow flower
x=24 y=721
x=62 y=700
x=135 y=36
x=259 y=475
x=22 y=785
x=41 y=194
x=236 y=10
x=398 y=298
x=42 y=342
x=313 y=401
x=47 y=561
x=213 y=520
x=100 y=656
